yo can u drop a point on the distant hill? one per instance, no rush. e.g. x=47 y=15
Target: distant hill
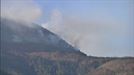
x=33 y=50
x=116 y=67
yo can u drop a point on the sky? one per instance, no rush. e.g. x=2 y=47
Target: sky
x=96 y=27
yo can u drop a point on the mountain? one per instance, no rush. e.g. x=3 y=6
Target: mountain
x=29 y=49
x=28 y=37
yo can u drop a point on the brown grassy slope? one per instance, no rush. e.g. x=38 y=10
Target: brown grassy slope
x=116 y=67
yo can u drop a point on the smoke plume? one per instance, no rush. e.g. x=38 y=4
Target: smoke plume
x=23 y=10
x=94 y=36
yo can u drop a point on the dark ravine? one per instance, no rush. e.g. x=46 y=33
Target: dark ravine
x=36 y=51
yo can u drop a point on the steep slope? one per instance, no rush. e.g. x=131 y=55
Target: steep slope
x=28 y=37
x=28 y=49
x=18 y=39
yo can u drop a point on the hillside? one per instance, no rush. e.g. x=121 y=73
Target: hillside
x=116 y=67
x=64 y=63
x=27 y=50
x=28 y=37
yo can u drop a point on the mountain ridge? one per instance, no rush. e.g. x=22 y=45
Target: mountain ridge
x=30 y=53
x=15 y=33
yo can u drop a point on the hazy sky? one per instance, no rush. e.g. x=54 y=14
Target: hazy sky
x=96 y=27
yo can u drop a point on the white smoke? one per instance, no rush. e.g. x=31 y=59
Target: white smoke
x=55 y=21
x=23 y=10
x=93 y=36
x=56 y=25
